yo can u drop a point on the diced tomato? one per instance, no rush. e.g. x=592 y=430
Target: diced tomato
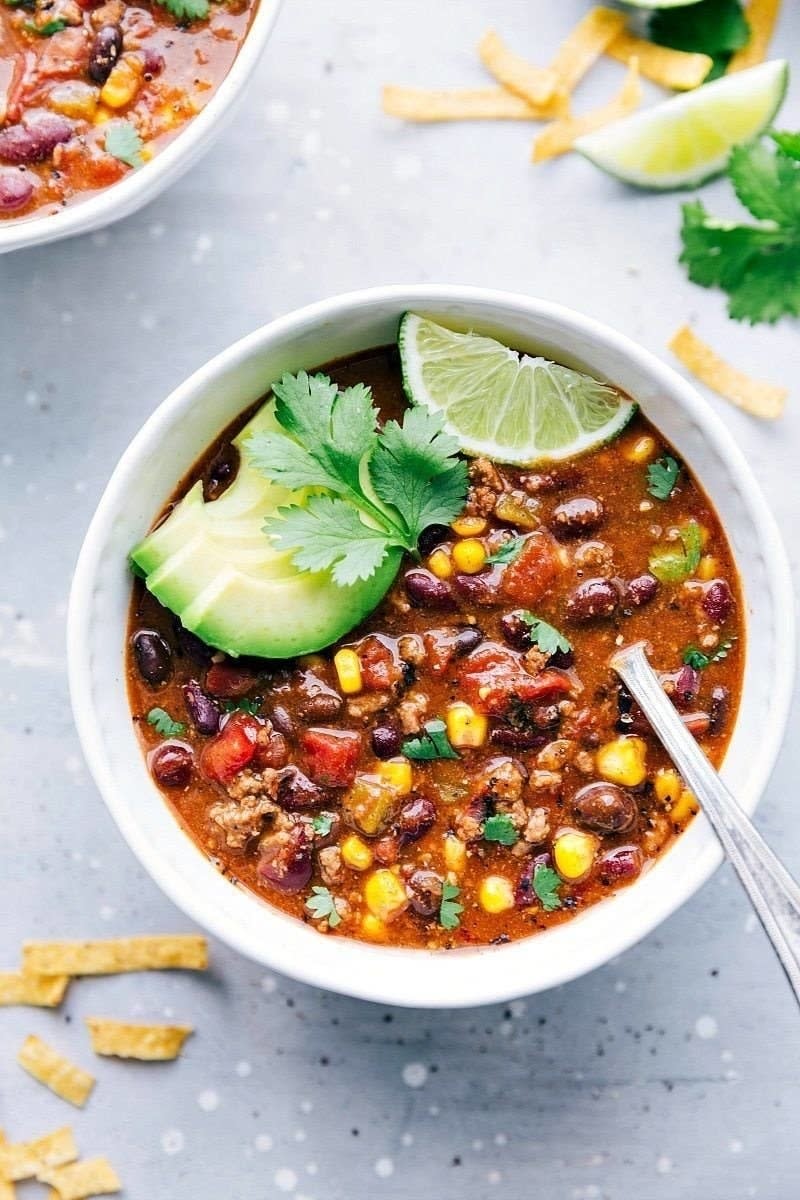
x=331 y=756
x=493 y=677
x=232 y=749
x=533 y=572
x=440 y=648
x=229 y=680
x=380 y=670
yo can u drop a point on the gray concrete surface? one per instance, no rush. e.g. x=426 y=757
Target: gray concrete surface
x=670 y=1074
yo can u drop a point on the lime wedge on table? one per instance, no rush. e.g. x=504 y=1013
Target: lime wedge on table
x=507 y=406
x=688 y=139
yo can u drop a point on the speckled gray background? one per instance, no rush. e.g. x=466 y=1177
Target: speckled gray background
x=670 y=1074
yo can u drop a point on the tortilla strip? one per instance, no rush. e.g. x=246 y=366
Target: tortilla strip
x=459 y=104
x=559 y=137
x=674 y=69
x=537 y=85
x=23 y=1160
x=55 y=1071
x=7 y=1189
x=585 y=43
x=759 y=399
x=90 y=1177
x=44 y=991
x=762 y=16
x=111 y=957
x=151 y=1043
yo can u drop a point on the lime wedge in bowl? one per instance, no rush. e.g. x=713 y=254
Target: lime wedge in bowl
x=504 y=405
x=687 y=140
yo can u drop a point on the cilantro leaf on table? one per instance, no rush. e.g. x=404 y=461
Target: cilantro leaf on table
x=699 y=660
x=662 y=475
x=500 y=828
x=122 y=140
x=322 y=906
x=545 y=637
x=676 y=563
x=757 y=265
x=432 y=742
x=547 y=884
x=163 y=723
x=713 y=27
x=329 y=534
x=508 y=551
x=449 y=910
x=186 y=10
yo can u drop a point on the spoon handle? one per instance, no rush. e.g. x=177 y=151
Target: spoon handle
x=774 y=893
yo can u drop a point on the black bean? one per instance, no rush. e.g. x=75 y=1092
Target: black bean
x=204 y=712
x=424 y=590
x=431 y=537
x=640 y=590
x=296 y=791
x=516 y=630
x=592 y=599
x=720 y=704
x=171 y=764
x=426 y=892
x=282 y=720
x=35 y=139
x=604 y=808
x=386 y=741
x=104 y=52
x=221 y=472
x=16 y=190
x=577 y=517
x=468 y=639
x=153 y=656
x=718 y=601
x=415 y=818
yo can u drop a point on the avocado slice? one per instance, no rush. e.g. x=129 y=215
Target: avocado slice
x=212 y=565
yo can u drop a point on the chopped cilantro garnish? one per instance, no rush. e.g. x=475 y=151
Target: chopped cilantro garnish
x=186 y=10
x=163 y=723
x=432 y=742
x=674 y=564
x=546 y=884
x=381 y=488
x=322 y=906
x=242 y=704
x=545 y=636
x=450 y=910
x=323 y=823
x=662 y=476
x=47 y=29
x=122 y=140
x=697 y=659
x=500 y=828
x=508 y=551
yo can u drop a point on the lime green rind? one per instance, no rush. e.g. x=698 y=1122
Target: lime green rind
x=634 y=148
x=660 y=3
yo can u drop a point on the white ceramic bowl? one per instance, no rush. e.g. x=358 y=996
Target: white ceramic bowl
x=139 y=187
x=168 y=445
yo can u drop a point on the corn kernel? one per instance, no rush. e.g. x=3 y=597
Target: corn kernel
x=495 y=894
x=385 y=895
x=356 y=853
x=455 y=854
x=372 y=928
x=465 y=727
x=103 y=115
x=705 y=534
x=74 y=99
x=623 y=761
x=708 y=568
x=668 y=785
x=123 y=83
x=440 y=564
x=573 y=854
x=641 y=451
x=469 y=527
x=684 y=806
x=396 y=772
x=348 y=671
x=469 y=556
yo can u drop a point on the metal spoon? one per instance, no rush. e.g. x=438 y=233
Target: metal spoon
x=772 y=890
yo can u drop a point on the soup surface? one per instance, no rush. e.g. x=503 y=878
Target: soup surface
x=463 y=767
x=90 y=91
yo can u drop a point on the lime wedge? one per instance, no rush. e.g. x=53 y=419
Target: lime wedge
x=504 y=405
x=686 y=140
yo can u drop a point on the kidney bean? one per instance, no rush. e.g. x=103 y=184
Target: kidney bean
x=524 y=892
x=516 y=630
x=623 y=862
x=433 y=536
x=286 y=862
x=415 y=818
x=604 y=808
x=718 y=601
x=698 y=723
x=229 y=680
x=424 y=590
x=518 y=739
x=317 y=701
x=171 y=764
x=204 y=712
x=386 y=850
x=640 y=591
x=687 y=685
x=467 y=640
x=154 y=62
x=153 y=656
x=591 y=600
x=189 y=644
x=483 y=589
x=16 y=190
x=35 y=139
x=105 y=49
x=386 y=741
x=426 y=892
x=577 y=517
x=282 y=720
x=297 y=792
x=720 y=704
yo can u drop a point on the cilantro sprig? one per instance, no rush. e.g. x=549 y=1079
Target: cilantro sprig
x=547 y=885
x=322 y=824
x=680 y=560
x=373 y=489
x=450 y=910
x=432 y=742
x=186 y=10
x=163 y=723
x=322 y=906
x=546 y=637
x=500 y=829
x=122 y=140
x=757 y=265
x=508 y=551
x=662 y=475
x=47 y=28
x=699 y=660
x=243 y=704
x=714 y=27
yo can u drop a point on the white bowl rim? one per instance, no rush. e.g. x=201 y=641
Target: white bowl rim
x=136 y=189
x=487 y=986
